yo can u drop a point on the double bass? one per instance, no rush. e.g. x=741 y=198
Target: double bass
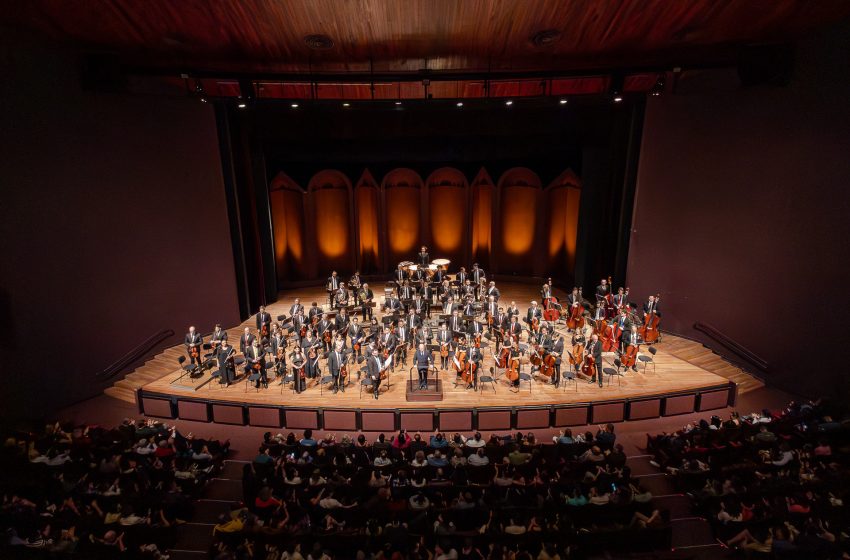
x=552 y=309
x=606 y=335
x=588 y=367
x=649 y=330
x=547 y=368
x=576 y=317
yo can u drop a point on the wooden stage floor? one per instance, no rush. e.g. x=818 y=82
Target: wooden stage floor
x=670 y=375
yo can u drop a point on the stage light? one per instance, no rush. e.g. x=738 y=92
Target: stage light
x=346 y=104
x=460 y=103
x=398 y=102
x=617 y=97
x=242 y=105
x=509 y=102
x=563 y=101
x=294 y=105
x=203 y=99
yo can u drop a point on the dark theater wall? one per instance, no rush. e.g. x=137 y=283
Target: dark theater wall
x=114 y=226
x=741 y=215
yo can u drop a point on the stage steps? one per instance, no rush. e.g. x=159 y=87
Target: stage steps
x=704 y=357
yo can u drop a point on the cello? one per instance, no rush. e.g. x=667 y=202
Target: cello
x=588 y=367
x=576 y=357
x=649 y=330
x=576 y=317
x=629 y=357
x=552 y=312
x=547 y=368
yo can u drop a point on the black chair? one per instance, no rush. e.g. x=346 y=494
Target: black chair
x=367 y=383
x=491 y=379
x=611 y=372
x=646 y=360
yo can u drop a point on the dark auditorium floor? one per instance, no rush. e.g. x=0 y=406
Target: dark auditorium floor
x=245 y=440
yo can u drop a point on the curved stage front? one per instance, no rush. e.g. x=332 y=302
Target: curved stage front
x=670 y=386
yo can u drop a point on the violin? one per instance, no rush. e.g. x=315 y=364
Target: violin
x=264 y=330
x=649 y=330
x=193 y=351
x=326 y=336
x=343 y=371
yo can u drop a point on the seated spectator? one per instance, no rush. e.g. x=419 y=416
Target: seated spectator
x=307 y=440
x=478 y=459
x=436 y=459
x=476 y=441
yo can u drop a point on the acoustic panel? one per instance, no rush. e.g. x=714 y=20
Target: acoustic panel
x=265 y=417
x=190 y=410
x=682 y=404
x=160 y=408
x=417 y=421
x=571 y=416
x=377 y=421
x=491 y=420
x=608 y=412
x=225 y=414
x=532 y=418
x=640 y=410
x=340 y=420
x=302 y=419
x=455 y=421
x=713 y=400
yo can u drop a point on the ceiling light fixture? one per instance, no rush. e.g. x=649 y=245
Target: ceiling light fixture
x=346 y=104
x=563 y=101
x=460 y=103
x=509 y=102
x=294 y=105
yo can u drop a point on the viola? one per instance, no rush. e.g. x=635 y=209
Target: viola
x=343 y=371
x=257 y=366
x=264 y=330
x=193 y=351
x=326 y=336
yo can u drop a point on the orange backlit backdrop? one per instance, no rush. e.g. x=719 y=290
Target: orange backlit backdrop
x=330 y=191
x=563 y=196
x=402 y=192
x=482 y=218
x=518 y=193
x=367 y=208
x=447 y=194
x=287 y=207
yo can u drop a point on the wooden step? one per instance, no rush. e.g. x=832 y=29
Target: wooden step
x=121 y=394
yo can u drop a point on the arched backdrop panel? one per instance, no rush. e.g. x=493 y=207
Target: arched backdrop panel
x=563 y=196
x=402 y=207
x=519 y=193
x=481 y=238
x=447 y=213
x=329 y=191
x=287 y=207
x=367 y=217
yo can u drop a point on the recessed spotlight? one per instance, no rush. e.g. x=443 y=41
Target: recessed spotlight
x=509 y=102
x=562 y=101
x=346 y=104
x=242 y=105
x=460 y=103
x=398 y=102
x=617 y=98
x=294 y=105
x=203 y=100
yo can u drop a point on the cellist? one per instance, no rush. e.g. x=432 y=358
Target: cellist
x=533 y=313
x=630 y=339
x=594 y=350
x=444 y=338
x=557 y=351
x=620 y=300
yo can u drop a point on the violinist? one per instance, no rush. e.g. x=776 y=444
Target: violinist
x=296 y=308
x=311 y=350
x=374 y=367
x=424 y=257
x=423 y=360
x=226 y=365
x=255 y=360
x=278 y=347
x=355 y=332
x=325 y=326
x=332 y=285
x=299 y=364
x=475 y=331
x=594 y=349
x=403 y=337
x=533 y=313
x=513 y=310
x=365 y=297
x=405 y=292
x=630 y=339
x=340 y=325
x=218 y=336
x=444 y=338
x=493 y=291
x=423 y=334
x=497 y=327
x=444 y=292
x=392 y=305
x=492 y=311
x=387 y=342
x=264 y=322
x=299 y=323
x=469 y=307
x=651 y=306
x=246 y=340
x=412 y=321
x=557 y=351
x=194 y=343
x=314 y=311
x=474 y=356
x=336 y=359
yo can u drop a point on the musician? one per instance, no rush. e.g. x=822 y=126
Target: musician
x=534 y=312
x=256 y=355
x=314 y=311
x=514 y=328
x=513 y=310
x=419 y=306
x=388 y=342
x=468 y=289
x=492 y=311
x=477 y=274
x=298 y=322
x=461 y=277
x=392 y=305
x=513 y=344
x=493 y=291
x=630 y=338
x=603 y=289
x=426 y=292
x=403 y=337
x=355 y=282
x=424 y=257
x=444 y=338
x=341 y=323
x=578 y=338
x=355 y=333
x=574 y=297
x=424 y=334
x=194 y=343
x=418 y=274
x=622 y=322
x=474 y=329
x=311 y=345
x=218 y=336
x=557 y=350
x=546 y=293
x=412 y=320
x=341 y=296
x=278 y=346
x=620 y=300
x=332 y=285
x=423 y=360
x=365 y=297
x=469 y=308
x=456 y=323
x=547 y=338
x=226 y=368
x=263 y=319
x=405 y=292
x=296 y=308
x=299 y=363
x=325 y=325
x=474 y=356
x=651 y=306
x=373 y=370
x=449 y=306
x=497 y=328
x=400 y=275
x=600 y=312
x=594 y=348
x=336 y=359
x=246 y=340
x=439 y=275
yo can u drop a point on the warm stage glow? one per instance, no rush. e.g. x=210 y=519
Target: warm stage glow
x=331 y=221
x=519 y=214
x=287 y=207
x=447 y=209
x=482 y=217
x=402 y=195
x=366 y=220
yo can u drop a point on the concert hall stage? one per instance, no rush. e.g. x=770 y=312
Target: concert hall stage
x=672 y=385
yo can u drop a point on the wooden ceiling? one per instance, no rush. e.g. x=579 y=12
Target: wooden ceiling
x=412 y=35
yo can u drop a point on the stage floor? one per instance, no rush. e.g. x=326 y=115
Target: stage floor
x=669 y=375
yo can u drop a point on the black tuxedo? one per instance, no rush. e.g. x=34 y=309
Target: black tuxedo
x=420 y=306
x=332 y=283
x=447 y=309
x=256 y=355
x=461 y=277
x=245 y=341
x=647 y=308
x=602 y=291
x=595 y=349
x=532 y=313
x=294 y=309
x=493 y=291
x=474 y=328
x=336 y=359
x=477 y=275
x=456 y=324
x=261 y=318
x=422 y=360
x=373 y=370
x=424 y=259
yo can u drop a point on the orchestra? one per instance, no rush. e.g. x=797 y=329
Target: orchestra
x=550 y=342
